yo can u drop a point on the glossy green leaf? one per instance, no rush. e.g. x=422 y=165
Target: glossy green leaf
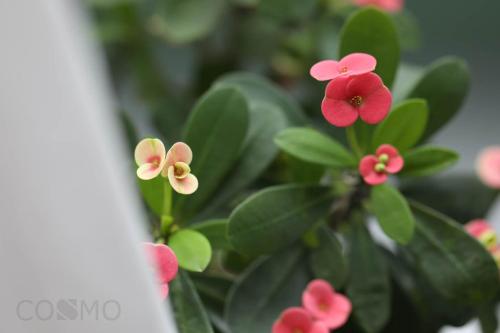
x=428 y=160
x=456 y=264
x=372 y=31
x=258 y=89
x=393 y=213
x=369 y=287
x=212 y=287
x=192 y=249
x=327 y=259
x=288 y=211
x=267 y=288
x=404 y=126
x=183 y=21
x=312 y=146
x=152 y=192
x=444 y=87
x=215 y=231
x=190 y=314
x=216 y=131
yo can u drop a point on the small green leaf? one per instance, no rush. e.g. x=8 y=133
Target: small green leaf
x=456 y=264
x=215 y=231
x=428 y=160
x=267 y=288
x=393 y=213
x=372 y=31
x=444 y=87
x=192 y=249
x=190 y=314
x=312 y=146
x=369 y=287
x=216 y=131
x=152 y=192
x=213 y=287
x=287 y=211
x=404 y=126
x=327 y=260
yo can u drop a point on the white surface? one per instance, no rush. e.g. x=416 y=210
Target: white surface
x=69 y=220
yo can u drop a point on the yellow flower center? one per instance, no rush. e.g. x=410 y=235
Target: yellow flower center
x=356 y=101
x=343 y=70
x=298 y=330
x=181 y=170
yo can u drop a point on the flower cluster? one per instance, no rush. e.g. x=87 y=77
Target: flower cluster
x=486 y=235
x=375 y=168
x=391 y=6
x=323 y=310
x=488 y=167
x=354 y=91
x=164 y=262
x=152 y=160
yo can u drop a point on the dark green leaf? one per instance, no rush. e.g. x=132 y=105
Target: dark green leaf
x=192 y=249
x=288 y=211
x=404 y=126
x=444 y=86
x=393 y=213
x=327 y=260
x=457 y=265
x=369 y=287
x=428 y=160
x=312 y=146
x=372 y=31
x=266 y=289
x=215 y=132
x=212 y=287
x=152 y=192
x=188 y=309
x=215 y=231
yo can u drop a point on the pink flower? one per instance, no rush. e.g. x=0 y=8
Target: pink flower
x=347 y=98
x=325 y=305
x=352 y=64
x=488 y=167
x=483 y=232
x=297 y=320
x=164 y=261
x=374 y=168
x=387 y=5
x=150 y=157
x=177 y=169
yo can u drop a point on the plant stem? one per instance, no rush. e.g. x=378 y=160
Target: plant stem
x=353 y=141
x=167 y=198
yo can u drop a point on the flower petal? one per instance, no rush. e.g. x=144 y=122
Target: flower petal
x=179 y=152
x=187 y=185
x=319 y=327
x=367 y=171
x=339 y=312
x=293 y=319
x=164 y=290
x=376 y=106
x=395 y=162
x=337 y=88
x=338 y=112
x=358 y=63
x=364 y=85
x=148 y=171
x=324 y=70
x=149 y=148
x=488 y=167
x=387 y=149
x=163 y=259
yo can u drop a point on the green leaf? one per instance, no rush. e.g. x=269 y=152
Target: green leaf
x=312 y=146
x=212 y=287
x=152 y=192
x=189 y=312
x=215 y=132
x=215 y=231
x=444 y=86
x=257 y=89
x=265 y=122
x=192 y=249
x=369 y=287
x=327 y=260
x=393 y=213
x=456 y=264
x=287 y=10
x=428 y=160
x=372 y=31
x=266 y=289
x=404 y=126
x=288 y=211
x=183 y=21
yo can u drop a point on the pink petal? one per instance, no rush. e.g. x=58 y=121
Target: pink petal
x=337 y=88
x=293 y=319
x=186 y=185
x=488 y=167
x=395 y=165
x=324 y=70
x=387 y=149
x=364 y=85
x=163 y=259
x=148 y=171
x=148 y=148
x=164 y=291
x=338 y=112
x=179 y=152
x=367 y=171
x=317 y=293
x=319 y=327
x=339 y=312
x=476 y=227
x=376 y=106
x=387 y=5
x=358 y=63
